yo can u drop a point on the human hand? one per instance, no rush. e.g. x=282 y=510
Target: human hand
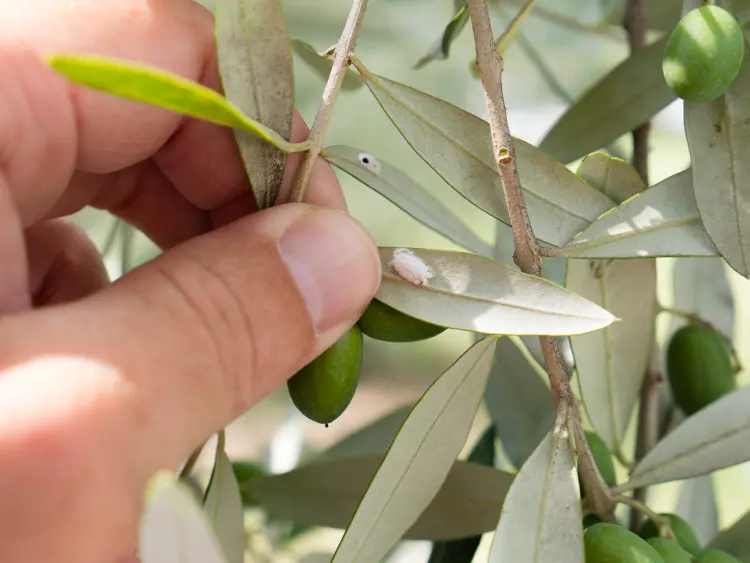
x=102 y=385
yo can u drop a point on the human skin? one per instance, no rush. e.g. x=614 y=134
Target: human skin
x=102 y=384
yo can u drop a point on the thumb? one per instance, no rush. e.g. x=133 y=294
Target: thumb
x=129 y=380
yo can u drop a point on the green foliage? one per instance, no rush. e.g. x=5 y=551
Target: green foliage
x=324 y=388
x=715 y=556
x=602 y=457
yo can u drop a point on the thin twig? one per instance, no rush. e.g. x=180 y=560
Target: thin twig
x=635 y=25
x=344 y=49
x=663 y=523
x=526 y=255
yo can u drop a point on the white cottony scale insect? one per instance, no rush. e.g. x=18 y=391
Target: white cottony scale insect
x=369 y=162
x=410 y=266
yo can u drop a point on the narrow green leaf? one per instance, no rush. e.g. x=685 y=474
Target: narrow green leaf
x=470 y=292
x=442 y=48
x=463 y=550
x=223 y=507
x=518 y=400
x=151 y=85
x=697 y=506
x=718 y=134
x=715 y=437
x=457 y=145
x=631 y=94
x=373 y=438
x=327 y=492
x=661 y=221
x=541 y=518
x=173 y=528
x=419 y=459
x=735 y=539
x=322 y=65
x=614 y=177
x=255 y=64
x=612 y=362
x=405 y=193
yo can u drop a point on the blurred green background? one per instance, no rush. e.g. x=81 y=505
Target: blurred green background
x=395 y=35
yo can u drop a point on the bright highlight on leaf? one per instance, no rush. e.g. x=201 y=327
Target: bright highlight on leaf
x=153 y=86
x=470 y=292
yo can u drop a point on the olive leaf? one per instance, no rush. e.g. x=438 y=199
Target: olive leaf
x=255 y=65
x=457 y=145
x=614 y=177
x=151 y=85
x=419 y=460
x=661 y=221
x=322 y=65
x=718 y=134
x=697 y=506
x=223 y=506
x=735 y=539
x=518 y=400
x=540 y=521
x=463 y=550
x=479 y=294
x=627 y=97
x=326 y=493
x=441 y=50
x=373 y=438
x=612 y=362
x=715 y=437
x=173 y=528
x=402 y=191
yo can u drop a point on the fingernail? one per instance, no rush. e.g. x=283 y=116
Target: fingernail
x=335 y=264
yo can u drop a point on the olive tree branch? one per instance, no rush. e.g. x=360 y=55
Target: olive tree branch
x=526 y=254
x=635 y=25
x=344 y=49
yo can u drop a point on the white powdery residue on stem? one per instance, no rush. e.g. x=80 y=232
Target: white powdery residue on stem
x=410 y=266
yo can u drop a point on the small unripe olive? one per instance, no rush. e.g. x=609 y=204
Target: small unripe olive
x=704 y=54
x=610 y=543
x=716 y=556
x=324 y=388
x=383 y=322
x=699 y=367
x=603 y=459
x=670 y=550
x=682 y=531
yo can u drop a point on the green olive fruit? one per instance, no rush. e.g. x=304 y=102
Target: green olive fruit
x=699 y=367
x=603 y=459
x=670 y=550
x=383 y=322
x=610 y=543
x=703 y=54
x=682 y=531
x=716 y=556
x=324 y=388
x=245 y=472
